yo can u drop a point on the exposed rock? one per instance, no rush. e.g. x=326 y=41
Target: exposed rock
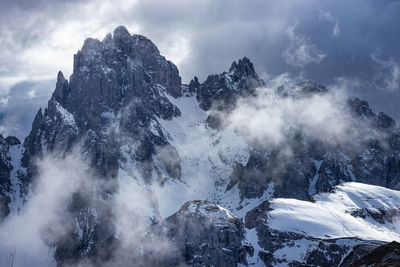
x=110 y=111
x=278 y=245
x=6 y=177
x=224 y=88
x=387 y=255
x=316 y=166
x=204 y=234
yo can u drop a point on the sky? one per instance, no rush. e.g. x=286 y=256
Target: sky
x=353 y=45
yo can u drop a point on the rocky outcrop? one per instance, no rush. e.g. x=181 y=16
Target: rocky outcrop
x=203 y=234
x=219 y=92
x=222 y=89
x=6 y=166
x=313 y=165
x=385 y=255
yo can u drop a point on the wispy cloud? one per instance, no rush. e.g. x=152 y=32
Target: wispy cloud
x=387 y=77
x=326 y=15
x=67 y=201
x=301 y=51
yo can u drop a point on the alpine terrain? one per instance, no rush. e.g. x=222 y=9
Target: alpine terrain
x=127 y=166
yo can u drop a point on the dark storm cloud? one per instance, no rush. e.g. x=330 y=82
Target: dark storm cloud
x=334 y=42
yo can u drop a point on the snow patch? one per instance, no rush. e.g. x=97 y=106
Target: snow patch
x=66 y=116
x=251 y=238
x=17 y=200
x=329 y=216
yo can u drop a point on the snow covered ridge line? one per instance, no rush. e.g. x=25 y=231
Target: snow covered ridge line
x=353 y=210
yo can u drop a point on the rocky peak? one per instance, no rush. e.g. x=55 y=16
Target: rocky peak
x=121 y=34
x=224 y=88
x=244 y=67
x=385 y=122
x=133 y=51
x=194 y=85
x=209 y=211
x=62 y=87
x=205 y=235
x=108 y=39
x=60 y=77
x=360 y=108
x=118 y=88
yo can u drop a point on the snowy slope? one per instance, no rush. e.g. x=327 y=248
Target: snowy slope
x=17 y=201
x=334 y=215
x=207 y=159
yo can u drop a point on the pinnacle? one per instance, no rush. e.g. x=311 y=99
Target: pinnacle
x=121 y=33
x=60 y=77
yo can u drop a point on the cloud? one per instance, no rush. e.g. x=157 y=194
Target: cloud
x=23 y=235
x=301 y=51
x=326 y=15
x=268 y=119
x=387 y=77
x=29 y=237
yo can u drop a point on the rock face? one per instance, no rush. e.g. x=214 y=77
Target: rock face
x=302 y=233
x=385 y=255
x=7 y=176
x=316 y=166
x=221 y=91
x=277 y=246
x=116 y=112
x=108 y=111
x=118 y=87
x=204 y=234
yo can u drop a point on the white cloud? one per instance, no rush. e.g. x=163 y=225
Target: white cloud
x=326 y=15
x=22 y=235
x=268 y=118
x=301 y=51
x=28 y=237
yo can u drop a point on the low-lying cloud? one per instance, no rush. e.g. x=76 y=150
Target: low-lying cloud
x=273 y=116
x=23 y=235
x=29 y=237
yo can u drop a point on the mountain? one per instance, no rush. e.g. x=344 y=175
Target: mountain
x=385 y=255
x=174 y=176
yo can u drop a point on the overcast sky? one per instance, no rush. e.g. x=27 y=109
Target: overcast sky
x=353 y=44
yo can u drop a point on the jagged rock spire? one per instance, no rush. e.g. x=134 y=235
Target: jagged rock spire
x=243 y=67
x=61 y=88
x=241 y=80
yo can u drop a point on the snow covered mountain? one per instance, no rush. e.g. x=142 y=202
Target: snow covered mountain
x=227 y=172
